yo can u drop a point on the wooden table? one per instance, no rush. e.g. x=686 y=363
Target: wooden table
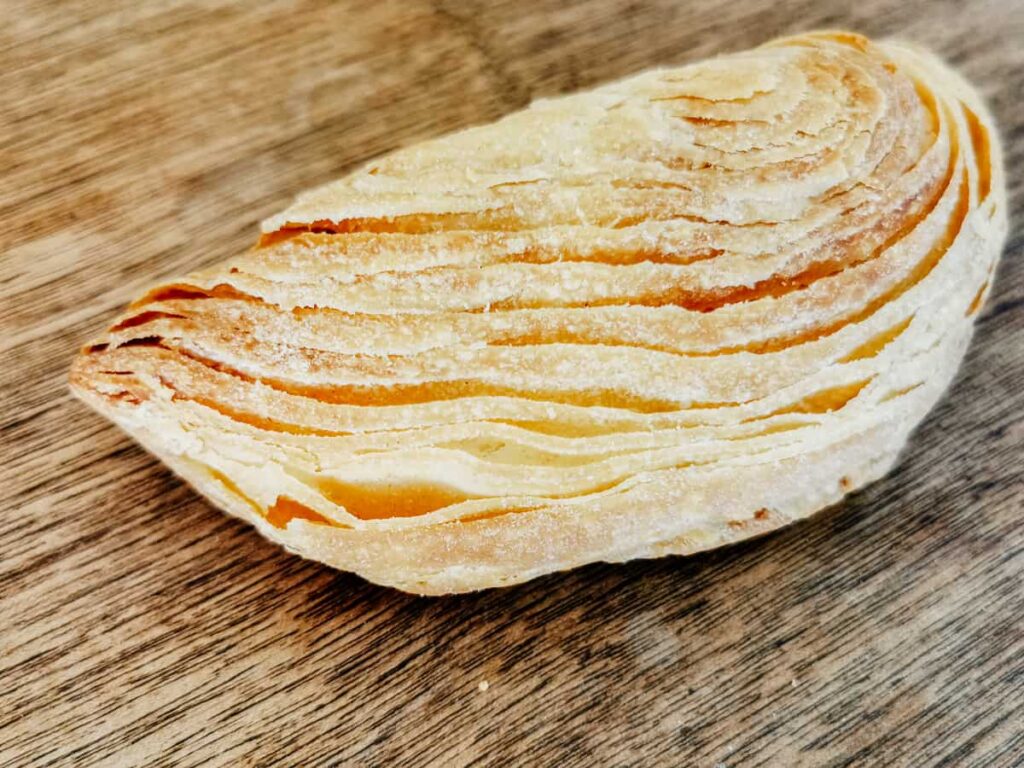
x=138 y=625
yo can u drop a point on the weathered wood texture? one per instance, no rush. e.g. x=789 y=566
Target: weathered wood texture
x=140 y=626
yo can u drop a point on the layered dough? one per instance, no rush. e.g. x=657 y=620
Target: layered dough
x=669 y=313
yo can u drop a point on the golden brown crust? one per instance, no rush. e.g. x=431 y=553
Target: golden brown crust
x=672 y=312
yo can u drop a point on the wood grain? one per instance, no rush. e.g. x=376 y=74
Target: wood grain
x=141 y=626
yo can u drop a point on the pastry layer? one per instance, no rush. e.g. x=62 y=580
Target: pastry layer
x=668 y=313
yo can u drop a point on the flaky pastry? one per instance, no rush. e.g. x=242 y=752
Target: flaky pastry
x=669 y=313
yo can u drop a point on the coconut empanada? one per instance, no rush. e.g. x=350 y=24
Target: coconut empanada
x=672 y=312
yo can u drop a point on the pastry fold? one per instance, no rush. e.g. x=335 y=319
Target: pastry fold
x=669 y=313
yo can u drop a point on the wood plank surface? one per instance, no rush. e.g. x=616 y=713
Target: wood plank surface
x=140 y=626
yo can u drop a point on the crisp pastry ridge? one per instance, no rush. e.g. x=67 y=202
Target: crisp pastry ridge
x=669 y=313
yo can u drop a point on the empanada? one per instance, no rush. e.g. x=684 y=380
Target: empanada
x=672 y=312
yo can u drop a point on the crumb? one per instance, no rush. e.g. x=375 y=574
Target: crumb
x=484 y=685
x=794 y=683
